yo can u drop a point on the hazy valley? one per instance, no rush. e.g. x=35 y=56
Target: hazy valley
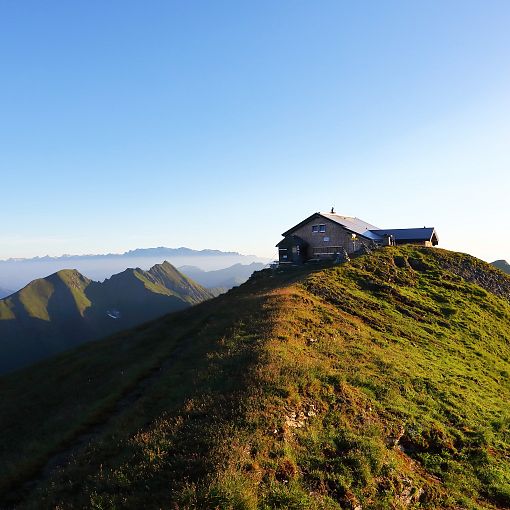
x=222 y=279
x=4 y=292
x=16 y=273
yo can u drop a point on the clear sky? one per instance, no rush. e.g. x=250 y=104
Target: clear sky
x=218 y=124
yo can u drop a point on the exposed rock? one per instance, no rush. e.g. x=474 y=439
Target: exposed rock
x=410 y=493
x=297 y=419
x=393 y=440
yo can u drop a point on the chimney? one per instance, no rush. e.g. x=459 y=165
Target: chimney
x=332 y=210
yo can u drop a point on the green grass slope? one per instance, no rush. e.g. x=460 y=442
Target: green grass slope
x=382 y=383
x=66 y=309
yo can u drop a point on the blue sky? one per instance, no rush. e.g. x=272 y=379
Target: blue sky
x=220 y=124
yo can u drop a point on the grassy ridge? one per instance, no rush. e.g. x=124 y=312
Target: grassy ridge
x=382 y=383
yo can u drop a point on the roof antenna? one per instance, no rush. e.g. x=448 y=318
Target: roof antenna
x=332 y=210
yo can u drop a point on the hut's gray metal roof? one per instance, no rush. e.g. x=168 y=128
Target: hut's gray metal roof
x=353 y=224
x=407 y=234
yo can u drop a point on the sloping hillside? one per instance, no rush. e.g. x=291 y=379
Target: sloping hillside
x=503 y=265
x=65 y=309
x=382 y=383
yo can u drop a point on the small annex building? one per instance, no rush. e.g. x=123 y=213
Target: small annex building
x=327 y=235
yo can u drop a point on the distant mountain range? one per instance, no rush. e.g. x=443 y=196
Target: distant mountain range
x=16 y=273
x=65 y=309
x=139 y=252
x=222 y=278
x=503 y=265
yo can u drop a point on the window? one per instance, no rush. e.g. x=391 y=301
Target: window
x=322 y=228
x=315 y=228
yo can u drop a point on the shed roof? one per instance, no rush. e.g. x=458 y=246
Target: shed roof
x=410 y=234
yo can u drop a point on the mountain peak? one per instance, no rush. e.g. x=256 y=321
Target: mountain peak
x=503 y=265
x=166 y=275
x=72 y=277
x=165 y=266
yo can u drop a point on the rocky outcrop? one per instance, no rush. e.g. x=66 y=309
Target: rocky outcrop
x=476 y=271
